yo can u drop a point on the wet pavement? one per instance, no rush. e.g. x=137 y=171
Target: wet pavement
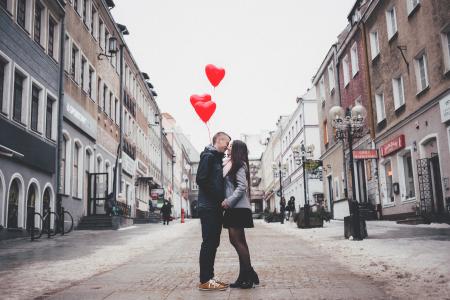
x=156 y=262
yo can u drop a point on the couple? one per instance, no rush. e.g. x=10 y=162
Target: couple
x=224 y=200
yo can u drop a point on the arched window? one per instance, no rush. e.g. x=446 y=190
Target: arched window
x=13 y=204
x=31 y=204
x=46 y=201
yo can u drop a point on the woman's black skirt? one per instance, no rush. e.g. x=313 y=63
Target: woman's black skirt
x=238 y=218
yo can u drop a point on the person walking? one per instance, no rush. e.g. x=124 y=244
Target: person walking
x=291 y=207
x=166 y=211
x=238 y=213
x=211 y=193
x=282 y=209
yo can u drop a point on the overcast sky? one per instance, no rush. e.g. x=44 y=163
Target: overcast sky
x=269 y=49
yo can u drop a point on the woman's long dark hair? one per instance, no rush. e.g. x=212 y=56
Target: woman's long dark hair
x=239 y=158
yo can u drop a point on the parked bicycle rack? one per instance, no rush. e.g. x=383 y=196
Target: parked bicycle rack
x=63 y=224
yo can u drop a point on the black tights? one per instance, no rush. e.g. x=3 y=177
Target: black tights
x=237 y=239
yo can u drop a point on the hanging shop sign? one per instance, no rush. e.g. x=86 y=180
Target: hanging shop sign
x=365 y=154
x=393 y=146
x=445 y=109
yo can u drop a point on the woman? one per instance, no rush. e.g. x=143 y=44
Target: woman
x=238 y=214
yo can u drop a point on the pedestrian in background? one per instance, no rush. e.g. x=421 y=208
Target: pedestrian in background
x=291 y=206
x=282 y=209
x=166 y=211
x=238 y=212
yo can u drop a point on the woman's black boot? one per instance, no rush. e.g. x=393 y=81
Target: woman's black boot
x=248 y=281
x=255 y=277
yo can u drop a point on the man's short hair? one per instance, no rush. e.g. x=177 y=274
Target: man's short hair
x=219 y=134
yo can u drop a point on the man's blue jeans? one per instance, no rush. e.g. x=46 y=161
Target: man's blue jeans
x=211 y=220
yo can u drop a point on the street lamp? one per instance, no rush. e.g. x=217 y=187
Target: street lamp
x=301 y=153
x=350 y=124
x=280 y=171
x=112 y=48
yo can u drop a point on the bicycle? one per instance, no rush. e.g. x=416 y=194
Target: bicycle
x=65 y=222
x=61 y=224
x=35 y=231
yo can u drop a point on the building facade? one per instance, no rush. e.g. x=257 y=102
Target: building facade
x=30 y=56
x=409 y=67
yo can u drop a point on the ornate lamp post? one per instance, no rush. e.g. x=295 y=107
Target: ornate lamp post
x=350 y=124
x=280 y=171
x=301 y=154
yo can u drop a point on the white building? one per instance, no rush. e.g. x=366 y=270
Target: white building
x=302 y=128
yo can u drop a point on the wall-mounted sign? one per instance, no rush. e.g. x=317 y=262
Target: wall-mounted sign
x=445 y=108
x=79 y=117
x=365 y=154
x=141 y=166
x=128 y=164
x=393 y=146
x=157 y=194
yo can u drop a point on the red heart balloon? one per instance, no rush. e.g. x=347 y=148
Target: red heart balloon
x=200 y=98
x=205 y=110
x=214 y=74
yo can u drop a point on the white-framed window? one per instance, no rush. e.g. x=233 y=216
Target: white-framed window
x=7 y=5
x=85 y=12
x=398 y=90
x=381 y=111
x=111 y=105
x=94 y=21
x=421 y=72
x=445 y=36
x=84 y=74
x=322 y=88
x=67 y=51
x=105 y=98
x=386 y=180
x=75 y=63
x=53 y=38
x=117 y=110
x=65 y=163
x=354 y=58
x=20 y=95
x=374 y=44
x=101 y=37
x=411 y=5
x=39 y=23
x=346 y=70
x=337 y=192
x=37 y=102
x=77 y=6
x=5 y=83
x=391 y=21
x=406 y=175
x=77 y=169
x=91 y=83
x=24 y=14
x=51 y=116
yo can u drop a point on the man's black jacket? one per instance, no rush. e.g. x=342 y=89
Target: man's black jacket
x=210 y=179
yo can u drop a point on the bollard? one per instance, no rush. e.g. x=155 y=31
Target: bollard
x=182 y=215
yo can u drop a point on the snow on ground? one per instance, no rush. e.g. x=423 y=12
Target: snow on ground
x=21 y=283
x=412 y=261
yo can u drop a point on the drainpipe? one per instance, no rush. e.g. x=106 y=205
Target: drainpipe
x=122 y=93
x=60 y=115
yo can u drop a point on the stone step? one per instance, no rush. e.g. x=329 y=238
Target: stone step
x=413 y=221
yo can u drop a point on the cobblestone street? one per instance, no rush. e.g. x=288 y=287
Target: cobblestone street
x=132 y=266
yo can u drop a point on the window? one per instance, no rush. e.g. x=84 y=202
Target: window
x=117 y=110
x=346 y=70
x=38 y=17
x=91 y=80
x=411 y=5
x=101 y=37
x=408 y=176
x=74 y=63
x=105 y=94
x=84 y=13
x=111 y=107
x=64 y=167
x=421 y=73
x=49 y=119
x=336 y=188
x=35 y=97
x=76 y=168
x=84 y=69
x=391 y=21
x=94 y=22
x=389 y=198
x=21 y=13
x=19 y=83
x=331 y=77
x=107 y=42
x=4 y=4
x=374 y=44
x=354 y=58
x=381 y=113
x=67 y=64
x=398 y=91
x=322 y=89
x=75 y=6
x=446 y=47
x=325 y=133
x=3 y=70
x=51 y=37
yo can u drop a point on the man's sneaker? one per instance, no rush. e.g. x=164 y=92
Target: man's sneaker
x=221 y=282
x=212 y=285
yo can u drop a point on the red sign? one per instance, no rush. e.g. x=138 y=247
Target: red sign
x=365 y=154
x=393 y=145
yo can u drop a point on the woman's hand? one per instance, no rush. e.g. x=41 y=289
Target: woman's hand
x=225 y=204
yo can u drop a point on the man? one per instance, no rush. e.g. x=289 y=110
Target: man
x=291 y=206
x=210 y=196
x=166 y=211
x=282 y=209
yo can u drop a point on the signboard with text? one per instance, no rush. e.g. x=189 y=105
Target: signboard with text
x=393 y=146
x=445 y=109
x=365 y=154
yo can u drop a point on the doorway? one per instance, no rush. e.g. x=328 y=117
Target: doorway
x=361 y=181
x=330 y=195
x=437 y=186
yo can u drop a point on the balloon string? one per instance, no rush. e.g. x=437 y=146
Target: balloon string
x=209 y=132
